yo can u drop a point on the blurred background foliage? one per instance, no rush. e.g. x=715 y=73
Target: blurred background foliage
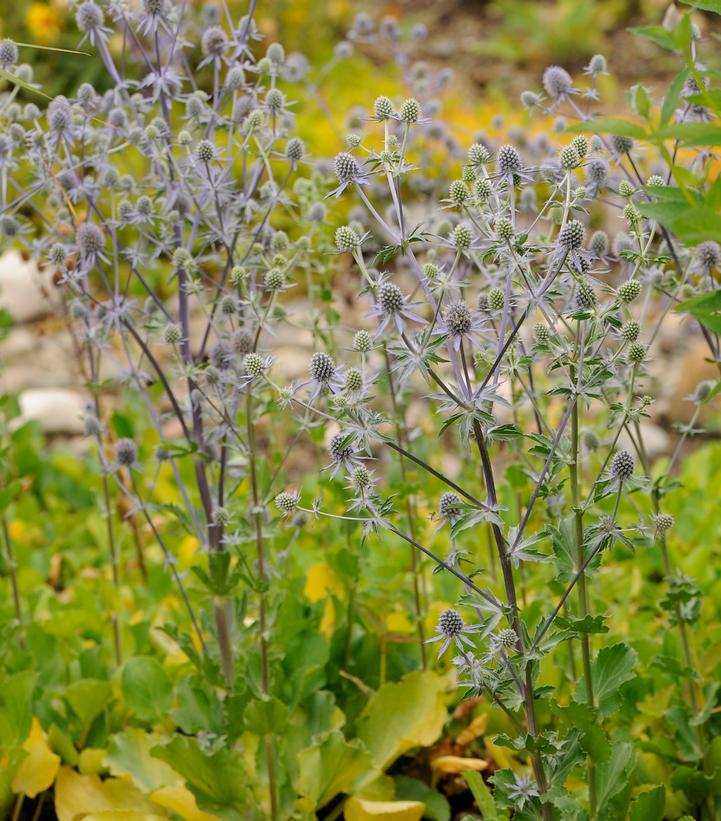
x=497 y=49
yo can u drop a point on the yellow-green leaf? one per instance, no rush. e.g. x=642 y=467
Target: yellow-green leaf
x=38 y=769
x=403 y=715
x=357 y=809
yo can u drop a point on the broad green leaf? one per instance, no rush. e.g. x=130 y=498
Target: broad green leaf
x=612 y=667
x=88 y=697
x=649 y=805
x=266 y=717
x=403 y=715
x=217 y=780
x=16 y=708
x=331 y=766
x=129 y=755
x=147 y=689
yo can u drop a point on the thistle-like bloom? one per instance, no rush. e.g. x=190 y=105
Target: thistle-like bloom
x=450 y=508
x=342 y=454
x=324 y=374
x=348 y=173
x=460 y=323
x=287 y=502
x=89 y=19
x=622 y=465
x=452 y=629
x=392 y=306
x=569 y=246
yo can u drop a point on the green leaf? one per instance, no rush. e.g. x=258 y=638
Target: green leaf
x=705 y=308
x=483 y=798
x=9 y=493
x=147 y=689
x=403 y=715
x=705 y=5
x=656 y=34
x=649 y=805
x=613 y=777
x=588 y=624
x=88 y=698
x=216 y=780
x=612 y=667
x=692 y=134
x=331 y=766
x=411 y=789
x=266 y=717
x=11 y=78
x=16 y=708
x=611 y=125
x=672 y=96
x=129 y=754
x=592 y=739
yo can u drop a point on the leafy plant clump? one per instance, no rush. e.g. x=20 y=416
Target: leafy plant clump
x=257 y=593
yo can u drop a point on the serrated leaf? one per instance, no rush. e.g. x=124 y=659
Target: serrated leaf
x=650 y=805
x=612 y=667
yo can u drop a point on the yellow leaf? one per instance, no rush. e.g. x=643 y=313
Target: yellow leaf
x=38 y=769
x=476 y=728
x=398 y=623
x=356 y=809
x=91 y=761
x=181 y=801
x=321 y=582
x=327 y=623
x=43 y=22
x=78 y=795
x=501 y=755
x=17 y=530
x=187 y=550
x=123 y=815
x=452 y=764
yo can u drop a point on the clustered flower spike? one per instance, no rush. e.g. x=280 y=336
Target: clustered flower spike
x=346 y=239
x=622 y=465
x=663 y=522
x=287 y=503
x=629 y=291
x=571 y=235
x=346 y=167
x=508 y=160
x=362 y=342
x=383 y=108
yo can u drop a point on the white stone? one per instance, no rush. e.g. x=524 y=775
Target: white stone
x=25 y=291
x=58 y=410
